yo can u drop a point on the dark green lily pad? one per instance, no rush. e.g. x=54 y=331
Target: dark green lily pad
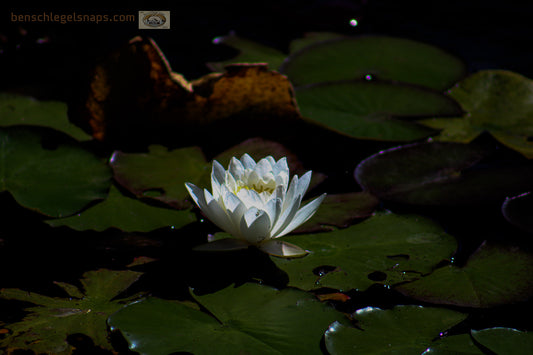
x=374 y=109
x=340 y=211
x=385 y=248
x=250 y=52
x=496 y=101
x=461 y=344
x=505 y=341
x=312 y=38
x=124 y=213
x=160 y=174
x=49 y=174
x=401 y=330
x=251 y=318
x=440 y=174
x=45 y=328
x=383 y=57
x=518 y=210
x=492 y=276
x=22 y=110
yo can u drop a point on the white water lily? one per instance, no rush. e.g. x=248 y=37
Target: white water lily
x=255 y=203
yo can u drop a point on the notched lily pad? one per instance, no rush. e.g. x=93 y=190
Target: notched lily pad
x=440 y=174
x=45 y=328
x=505 y=341
x=160 y=174
x=400 y=330
x=48 y=173
x=126 y=214
x=374 y=109
x=493 y=275
x=354 y=253
x=23 y=110
x=250 y=318
x=385 y=57
x=496 y=101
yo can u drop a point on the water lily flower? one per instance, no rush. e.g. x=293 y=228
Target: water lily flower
x=255 y=203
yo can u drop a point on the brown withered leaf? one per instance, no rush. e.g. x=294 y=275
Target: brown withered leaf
x=133 y=94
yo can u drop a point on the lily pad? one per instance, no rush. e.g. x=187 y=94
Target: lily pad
x=461 y=344
x=374 y=109
x=440 y=174
x=250 y=52
x=496 y=101
x=340 y=210
x=518 y=210
x=251 y=318
x=492 y=276
x=22 y=110
x=384 y=57
x=160 y=174
x=45 y=328
x=126 y=214
x=505 y=341
x=401 y=330
x=385 y=248
x=49 y=174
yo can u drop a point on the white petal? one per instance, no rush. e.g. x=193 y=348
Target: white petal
x=303 y=183
x=255 y=226
x=197 y=195
x=263 y=167
x=303 y=215
x=250 y=198
x=273 y=208
x=247 y=161
x=281 y=165
x=291 y=193
x=236 y=168
x=218 y=176
x=217 y=214
x=282 y=249
x=286 y=216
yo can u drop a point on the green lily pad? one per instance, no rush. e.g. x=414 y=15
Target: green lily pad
x=518 y=211
x=313 y=38
x=374 y=109
x=492 y=276
x=505 y=341
x=461 y=344
x=340 y=210
x=126 y=214
x=251 y=318
x=383 y=57
x=160 y=174
x=22 y=110
x=496 y=101
x=45 y=328
x=401 y=330
x=250 y=52
x=385 y=248
x=440 y=174
x=44 y=172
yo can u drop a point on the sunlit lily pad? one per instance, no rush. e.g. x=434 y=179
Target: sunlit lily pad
x=440 y=174
x=401 y=330
x=250 y=318
x=374 y=110
x=124 y=213
x=45 y=328
x=496 y=101
x=46 y=172
x=518 y=210
x=379 y=56
x=385 y=248
x=22 y=110
x=505 y=341
x=160 y=174
x=492 y=276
